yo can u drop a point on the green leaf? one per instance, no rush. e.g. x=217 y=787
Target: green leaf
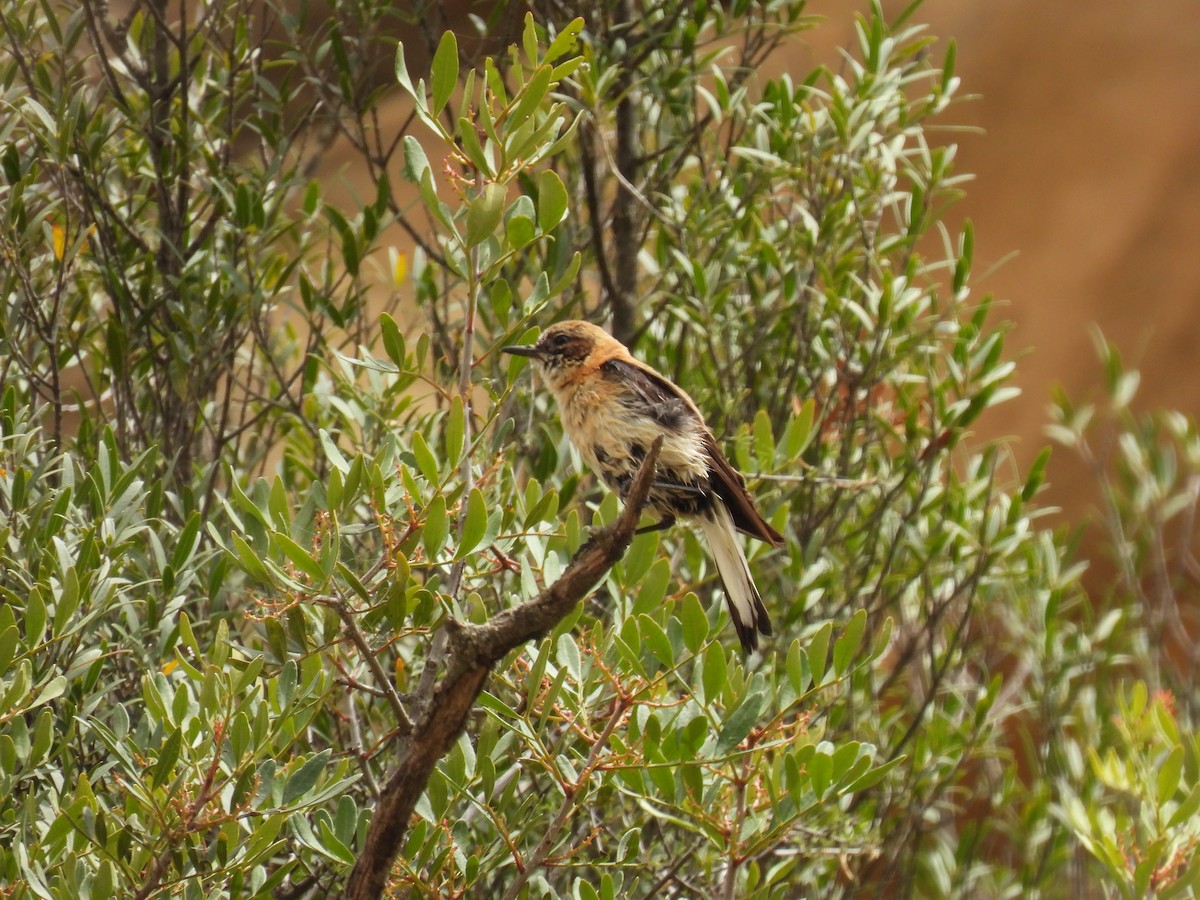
x=552 y=200
x=653 y=588
x=299 y=557
x=847 y=645
x=68 y=600
x=520 y=232
x=529 y=41
x=55 y=688
x=474 y=149
x=715 y=672
x=639 y=557
x=334 y=489
x=764 y=440
x=332 y=453
x=820 y=771
x=1169 y=774
x=416 y=163
x=1187 y=809
x=845 y=759
x=739 y=723
x=564 y=40
x=9 y=638
x=1037 y=474
x=187 y=542
x=455 y=431
x=167 y=757
x=437 y=527
x=312 y=199
x=246 y=505
x=330 y=844
x=444 y=74
x=568 y=655
x=349 y=241
x=305 y=778
x=799 y=431
x=495 y=81
x=694 y=622
x=484 y=213
x=278 y=506
x=818 y=653
x=655 y=640
x=393 y=340
x=432 y=204
x=43 y=737
x=19 y=686
x=250 y=562
x=402 y=76
x=526 y=103
x=872 y=777
x=795 y=668
x=426 y=462
x=475 y=523
x=35 y=619
x=218 y=654
x=188 y=636
x=564 y=70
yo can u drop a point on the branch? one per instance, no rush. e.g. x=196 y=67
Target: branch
x=471 y=652
x=372 y=661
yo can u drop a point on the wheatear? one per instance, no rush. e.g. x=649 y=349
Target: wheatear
x=612 y=408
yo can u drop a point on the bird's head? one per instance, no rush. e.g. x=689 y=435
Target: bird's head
x=564 y=347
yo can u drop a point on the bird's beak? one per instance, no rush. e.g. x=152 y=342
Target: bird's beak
x=523 y=350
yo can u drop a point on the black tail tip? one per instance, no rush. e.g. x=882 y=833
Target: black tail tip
x=748 y=633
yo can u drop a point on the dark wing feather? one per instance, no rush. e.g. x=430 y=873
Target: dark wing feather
x=651 y=395
x=731 y=487
x=654 y=396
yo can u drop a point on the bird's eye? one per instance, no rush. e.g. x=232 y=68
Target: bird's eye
x=561 y=340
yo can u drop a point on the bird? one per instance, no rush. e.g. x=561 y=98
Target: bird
x=612 y=408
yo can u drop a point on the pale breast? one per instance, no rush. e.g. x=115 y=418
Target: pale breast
x=613 y=439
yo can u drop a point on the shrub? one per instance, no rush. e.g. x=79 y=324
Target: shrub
x=274 y=565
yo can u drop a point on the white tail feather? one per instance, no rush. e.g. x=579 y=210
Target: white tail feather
x=742 y=597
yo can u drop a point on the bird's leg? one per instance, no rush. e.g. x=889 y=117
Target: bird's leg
x=660 y=484
x=676 y=487
x=660 y=525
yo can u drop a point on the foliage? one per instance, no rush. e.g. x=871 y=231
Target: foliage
x=241 y=503
x=1126 y=763
x=128 y=749
x=1140 y=822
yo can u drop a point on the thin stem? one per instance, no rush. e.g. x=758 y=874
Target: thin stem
x=343 y=610
x=465 y=367
x=734 y=835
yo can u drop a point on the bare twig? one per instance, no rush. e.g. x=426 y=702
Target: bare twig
x=381 y=677
x=472 y=650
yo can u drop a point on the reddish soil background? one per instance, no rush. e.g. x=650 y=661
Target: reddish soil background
x=1088 y=170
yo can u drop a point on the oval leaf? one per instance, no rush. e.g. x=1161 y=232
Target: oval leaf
x=483 y=215
x=444 y=75
x=475 y=523
x=552 y=200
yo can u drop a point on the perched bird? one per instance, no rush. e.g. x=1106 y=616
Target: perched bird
x=612 y=408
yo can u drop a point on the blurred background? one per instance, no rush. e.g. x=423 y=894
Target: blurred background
x=1086 y=198
x=1081 y=126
